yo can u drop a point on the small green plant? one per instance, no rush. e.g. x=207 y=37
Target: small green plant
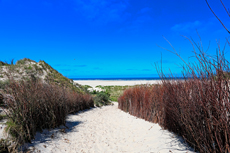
x=12 y=68
x=3 y=84
x=23 y=61
x=13 y=129
x=86 y=87
x=4 y=144
x=3 y=63
x=29 y=68
x=94 y=92
x=59 y=79
x=7 y=63
x=38 y=69
x=101 y=99
x=114 y=91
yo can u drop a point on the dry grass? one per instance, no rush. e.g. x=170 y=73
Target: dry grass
x=36 y=106
x=197 y=108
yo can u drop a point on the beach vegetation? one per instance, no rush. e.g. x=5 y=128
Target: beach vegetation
x=38 y=97
x=58 y=78
x=102 y=99
x=196 y=108
x=25 y=68
x=94 y=92
x=24 y=61
x=3 y=84
x=37 y=105
x=6 y=63
x=2 y=116
x=217 y=17
x=86 y=88
x=114 y=91
x=3 y=63
x=4 y=144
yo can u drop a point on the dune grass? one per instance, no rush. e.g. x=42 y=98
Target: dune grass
x=25 y=68
x=196 y=108
x=36 y=106
x=114 y=91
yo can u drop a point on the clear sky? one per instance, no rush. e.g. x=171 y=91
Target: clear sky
x=108 y=38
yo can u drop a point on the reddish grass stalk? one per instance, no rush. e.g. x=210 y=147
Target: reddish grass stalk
x=196 y=108
x=38 y=105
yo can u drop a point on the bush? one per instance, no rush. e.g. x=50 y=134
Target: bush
x=101 y=99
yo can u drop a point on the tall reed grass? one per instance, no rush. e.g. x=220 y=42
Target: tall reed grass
x=196 y=108
x=35 y=106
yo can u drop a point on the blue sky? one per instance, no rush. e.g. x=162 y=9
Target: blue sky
x=108 y=38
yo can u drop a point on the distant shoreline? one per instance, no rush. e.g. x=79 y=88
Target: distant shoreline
x=94 y=83
x=123 y=79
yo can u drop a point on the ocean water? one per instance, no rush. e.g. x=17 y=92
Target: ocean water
x=125 y=79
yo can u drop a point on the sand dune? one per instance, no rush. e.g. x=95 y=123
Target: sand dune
x=108 y=130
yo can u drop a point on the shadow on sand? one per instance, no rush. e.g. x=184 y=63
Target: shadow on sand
x=44 y=137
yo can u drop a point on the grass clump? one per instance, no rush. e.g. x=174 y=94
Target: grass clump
x=24 y=61
x=102 y=99
x=5 y=63
x=114 y=91
x=57 y=78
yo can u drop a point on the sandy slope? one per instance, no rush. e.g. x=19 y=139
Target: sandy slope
x=107 y=130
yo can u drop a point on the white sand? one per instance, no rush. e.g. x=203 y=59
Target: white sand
x=108 y=130
x=94 y=83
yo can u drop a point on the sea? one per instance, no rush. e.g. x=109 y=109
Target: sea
x=126 y=79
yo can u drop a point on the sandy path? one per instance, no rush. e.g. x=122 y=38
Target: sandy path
x=108 y=130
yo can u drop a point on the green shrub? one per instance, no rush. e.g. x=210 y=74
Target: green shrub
x=3 y=84
x=7 y=63
x=23 y=61
x=3 y=63
x=101 y=99
x=114 y=91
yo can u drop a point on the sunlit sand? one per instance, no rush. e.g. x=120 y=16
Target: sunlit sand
x=108 y=130
x=94 y=83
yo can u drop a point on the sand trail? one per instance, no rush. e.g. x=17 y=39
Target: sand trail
x=107 y=130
